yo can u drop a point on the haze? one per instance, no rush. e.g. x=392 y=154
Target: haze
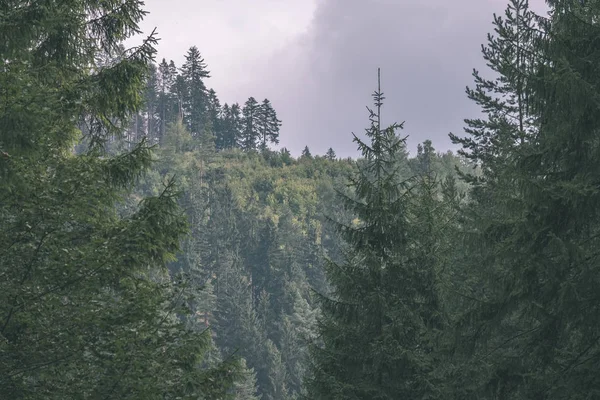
x=317 y=60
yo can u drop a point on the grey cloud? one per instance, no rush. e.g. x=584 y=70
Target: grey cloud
x=321 y=83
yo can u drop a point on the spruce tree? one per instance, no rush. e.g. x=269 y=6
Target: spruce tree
x=230 y=128
x=268 y=124
x=245 y=388
x=236 y=126
x=214 y=114
x=425 y=153
x=151 y=110
x=330 y=155
x=534 y=221
x=286 y=156
x=376 y=325
x=179 y=92
x=251 y=125
x=166 y=109
x=87 y=307
x=195 y=99
x=222 y=136
x=306 y=153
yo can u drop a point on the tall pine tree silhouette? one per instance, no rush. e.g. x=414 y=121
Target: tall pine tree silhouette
x=373 y=325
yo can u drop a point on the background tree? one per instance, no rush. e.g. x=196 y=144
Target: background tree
x=306 y=153
x=167 y=100
x=214 y=111
x=330 y=155
x=268 y=124
x=195 y=96
x=251 y=124
x=229 y=132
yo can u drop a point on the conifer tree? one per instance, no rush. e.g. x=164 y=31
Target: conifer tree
x=87 y=307
x=195 y=99
x=179 y=92
x=534 y=220
x=214 y=113
x=167 y=73
x=330 y=155
x=425 y=152
x=251 y=125
x=286 y=156
x=245 y=388
x=222 y=136
x=230 y=129
x=150 y=112
x=377 y=339
x=268 y=124
x=306 y=153
x=235 y=126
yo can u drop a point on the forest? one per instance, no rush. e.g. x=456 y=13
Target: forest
x=157 y=244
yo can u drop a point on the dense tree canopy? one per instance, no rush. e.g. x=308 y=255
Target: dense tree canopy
x=87 y=306
x=155 y=245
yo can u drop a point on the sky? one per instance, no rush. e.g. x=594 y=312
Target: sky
x=317 y=60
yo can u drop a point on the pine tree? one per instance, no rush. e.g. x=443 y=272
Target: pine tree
x=425 y=153
x=306 y=153
x=251 y=125
x=151 y=111
x=238 y=325
x=179 y=91
x=512 y=55
x=214 y=112
x=245 y=388
x=534 y=220
x=236 y=126
x=87 y=307
x=167 y=73
x=195 y=99
x=286 y=156
x=268 y=124
x=377 y=339
x=230 y=129
x=330 y=155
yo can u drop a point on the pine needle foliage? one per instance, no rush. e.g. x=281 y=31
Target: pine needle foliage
x=531 y=328
x=375 y=338
x=87 y=306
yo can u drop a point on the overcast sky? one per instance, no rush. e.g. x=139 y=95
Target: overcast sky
x=316 y=60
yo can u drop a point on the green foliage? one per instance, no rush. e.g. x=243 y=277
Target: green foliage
x=528 y=328
x=268 y=124
x=306 y=153
x=379 y=324
x=245 y=388
x=330 y=154
x=251 y=125
x=87 y=307
x=195 y=96
x=231 y=127
x=259 y=240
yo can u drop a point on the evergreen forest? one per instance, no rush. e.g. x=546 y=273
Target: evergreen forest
x=158 y=244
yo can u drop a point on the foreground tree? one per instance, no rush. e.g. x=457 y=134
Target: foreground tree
x=532 y=230
x=376 y=325
x=87 y=307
